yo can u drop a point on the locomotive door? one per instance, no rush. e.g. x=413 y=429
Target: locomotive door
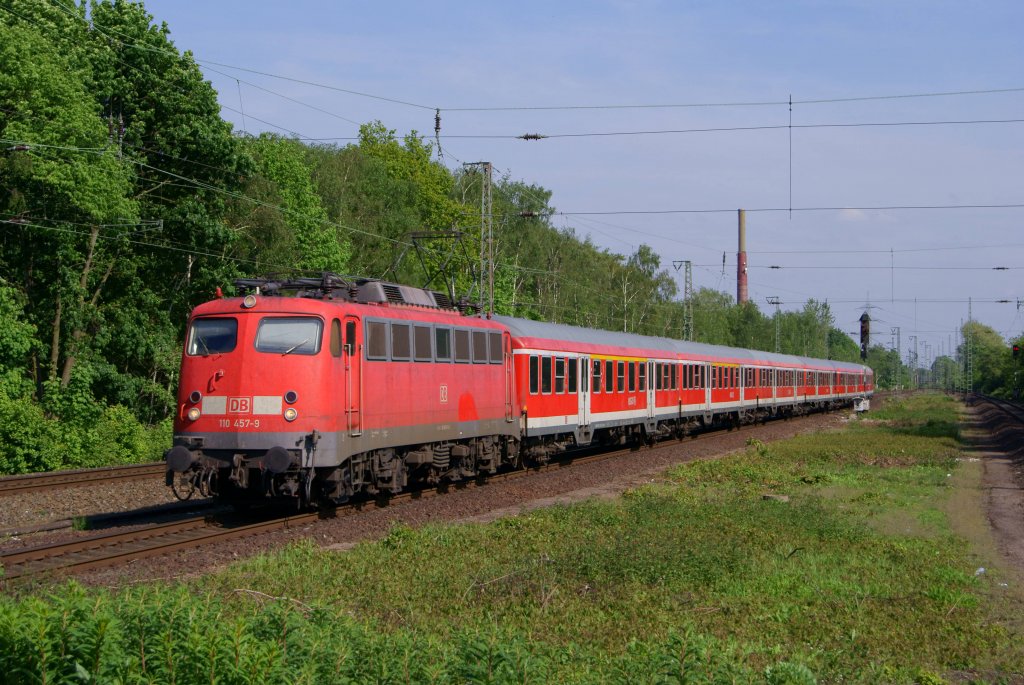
x=506 y=343
x=353 y=376
x=584 y=390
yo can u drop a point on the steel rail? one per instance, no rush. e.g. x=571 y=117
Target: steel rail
x=13 y=485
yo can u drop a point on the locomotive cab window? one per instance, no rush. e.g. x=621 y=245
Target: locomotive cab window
x=335 y=338
x=212 y=336
x=350 y=337
x=289 y=335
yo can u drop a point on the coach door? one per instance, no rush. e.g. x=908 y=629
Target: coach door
x=651 y=386
x=583 y=393
x=353 y=376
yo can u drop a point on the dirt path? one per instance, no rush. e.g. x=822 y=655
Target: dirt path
x=999 y=450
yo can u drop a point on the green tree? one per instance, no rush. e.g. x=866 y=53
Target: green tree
x=280 y=216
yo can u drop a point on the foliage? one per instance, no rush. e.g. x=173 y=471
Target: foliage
x=134 y=201
x=280 y=214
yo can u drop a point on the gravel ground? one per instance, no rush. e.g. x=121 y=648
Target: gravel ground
x=506 y=498
x=34 y=508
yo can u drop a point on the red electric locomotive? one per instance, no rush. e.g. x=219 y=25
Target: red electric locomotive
x=346 y=387
x=358 y=386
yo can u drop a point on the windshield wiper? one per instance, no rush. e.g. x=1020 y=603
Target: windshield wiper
x=295 y=347
x=206 y=350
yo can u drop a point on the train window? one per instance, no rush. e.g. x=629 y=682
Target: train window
x=534 y=374
x=545 y=375
x=335 y=338
x=497 y=353
x=609 y=376
x=443 y=344
x=289 y=335
x=714 y=377
x=212 y=336
x=675 y=376
x=621 y=376
x=559 y=376
x=573 y=369
x=376 y=340
x=421 y=341
x=479 y=347
x=657 y=376
x=642 y=381
x=462 y=346
x=350 y=337
x=632 y=377
x=401 y=351
x=596 y=385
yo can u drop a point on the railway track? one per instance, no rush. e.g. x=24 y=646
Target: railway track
x=110 y=549
x=1011 y=409
x=14 y=485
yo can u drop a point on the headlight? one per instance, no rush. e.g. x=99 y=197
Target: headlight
x=249 y=301
x=291 y=397
x=195 y=396
x=290 y=414
x=194 y=413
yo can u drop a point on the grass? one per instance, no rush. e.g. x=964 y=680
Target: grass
x=698 y=578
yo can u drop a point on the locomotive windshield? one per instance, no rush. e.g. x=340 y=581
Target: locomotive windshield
x=212 y=336
x=289 y=335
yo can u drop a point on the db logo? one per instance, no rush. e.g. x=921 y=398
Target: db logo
x=444 y=394
x=239 y=405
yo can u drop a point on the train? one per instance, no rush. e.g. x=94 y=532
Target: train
x=322 y=389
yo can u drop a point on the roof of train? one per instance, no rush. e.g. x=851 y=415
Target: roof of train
x=525 y=328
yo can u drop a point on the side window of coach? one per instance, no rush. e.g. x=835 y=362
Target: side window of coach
x=443 y=344
x=497 y=353
x=400 y=349
x=534 y=374
x=421 y=343
x=479 y=347
x=376 y=340
x=462 y=346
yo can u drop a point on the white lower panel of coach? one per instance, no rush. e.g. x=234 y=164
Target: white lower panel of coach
x=567 y=423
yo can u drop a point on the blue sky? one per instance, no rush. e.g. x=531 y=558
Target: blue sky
x=454 y=55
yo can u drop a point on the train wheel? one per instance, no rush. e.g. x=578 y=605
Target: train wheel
x=184 y=485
